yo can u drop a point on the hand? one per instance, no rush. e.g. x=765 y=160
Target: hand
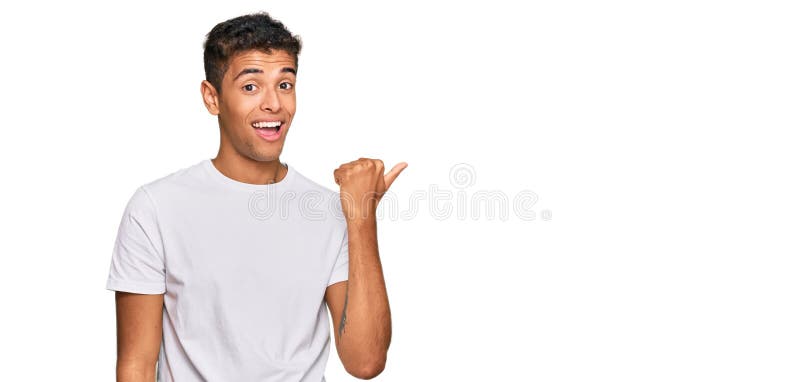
x=362 y=184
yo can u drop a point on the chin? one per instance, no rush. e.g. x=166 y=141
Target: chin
x=266 y=155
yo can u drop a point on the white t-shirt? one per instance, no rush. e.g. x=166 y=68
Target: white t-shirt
x=243 y=269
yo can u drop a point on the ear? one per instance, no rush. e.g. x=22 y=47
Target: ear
x=210 y=97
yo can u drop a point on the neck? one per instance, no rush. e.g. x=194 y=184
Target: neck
x=247 y=170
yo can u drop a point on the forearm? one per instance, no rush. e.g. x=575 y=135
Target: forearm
x=135 y=372
x=365 y=329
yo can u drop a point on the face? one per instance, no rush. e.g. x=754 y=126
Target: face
x=257 y=103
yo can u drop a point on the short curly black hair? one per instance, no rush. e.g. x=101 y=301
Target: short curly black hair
x=257 y=31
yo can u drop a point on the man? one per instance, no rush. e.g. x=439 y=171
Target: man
x=222 y=270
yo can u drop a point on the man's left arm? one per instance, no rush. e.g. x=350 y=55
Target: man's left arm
x=360 y=306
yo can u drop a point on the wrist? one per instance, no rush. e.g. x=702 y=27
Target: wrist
x=359 y=217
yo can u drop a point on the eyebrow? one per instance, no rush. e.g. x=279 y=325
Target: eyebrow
x=244 y=71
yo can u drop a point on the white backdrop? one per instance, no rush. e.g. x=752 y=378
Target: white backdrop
x=659 y=139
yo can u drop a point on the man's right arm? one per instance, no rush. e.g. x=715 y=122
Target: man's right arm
x=139 y=318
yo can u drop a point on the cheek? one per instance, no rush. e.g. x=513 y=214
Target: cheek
x=243 y=109
x=289 y=103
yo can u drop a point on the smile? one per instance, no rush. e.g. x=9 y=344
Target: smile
x=261 y=125
x=268 y=130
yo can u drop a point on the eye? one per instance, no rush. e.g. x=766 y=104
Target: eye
x=286 y=85
x=249 y=87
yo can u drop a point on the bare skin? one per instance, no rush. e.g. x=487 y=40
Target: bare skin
x=360 y=306
x=138 y=335
x=255 y=86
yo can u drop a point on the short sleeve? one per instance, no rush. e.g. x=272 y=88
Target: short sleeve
x=137 y=261
x=341 y=268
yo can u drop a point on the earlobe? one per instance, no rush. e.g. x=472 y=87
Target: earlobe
x=210 y=98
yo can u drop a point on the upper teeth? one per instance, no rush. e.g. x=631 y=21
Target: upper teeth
x=267 y=124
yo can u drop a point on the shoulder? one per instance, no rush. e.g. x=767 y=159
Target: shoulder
x=148 y=194
x=183 y=177
x=313 y=196
x=305 y=184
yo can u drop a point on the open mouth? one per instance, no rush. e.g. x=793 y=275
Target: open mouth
x=269 y=130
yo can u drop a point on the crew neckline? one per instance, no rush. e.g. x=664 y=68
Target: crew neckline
x=224 y=179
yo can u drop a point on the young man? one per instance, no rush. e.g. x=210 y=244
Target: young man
x=222 y=269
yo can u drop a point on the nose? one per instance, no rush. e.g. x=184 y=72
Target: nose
x=271 y=102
